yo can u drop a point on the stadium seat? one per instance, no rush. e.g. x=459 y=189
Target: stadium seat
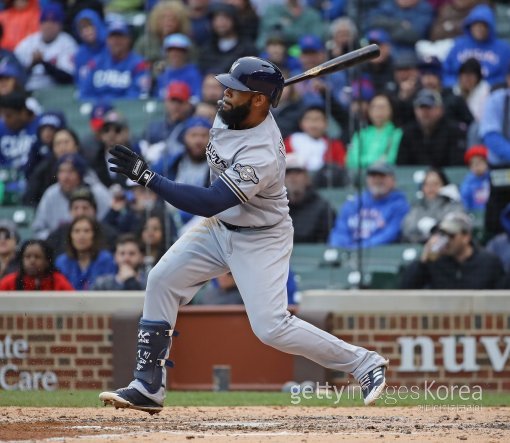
x=139 y=113
x=337 y=196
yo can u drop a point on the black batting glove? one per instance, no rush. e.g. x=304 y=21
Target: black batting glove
x=130 y=164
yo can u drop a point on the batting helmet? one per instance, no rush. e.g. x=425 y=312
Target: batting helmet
x=256 y=75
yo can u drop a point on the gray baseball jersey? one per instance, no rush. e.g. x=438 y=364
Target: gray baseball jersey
x=251 y=162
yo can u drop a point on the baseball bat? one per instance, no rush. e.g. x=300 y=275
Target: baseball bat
x=337 y=64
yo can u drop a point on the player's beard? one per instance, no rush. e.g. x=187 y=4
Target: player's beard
x=235 y=115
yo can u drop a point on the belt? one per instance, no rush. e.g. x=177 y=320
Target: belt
x=244 y=228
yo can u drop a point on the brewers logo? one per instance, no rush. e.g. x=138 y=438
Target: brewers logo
x=247 y=173
x=214 y=159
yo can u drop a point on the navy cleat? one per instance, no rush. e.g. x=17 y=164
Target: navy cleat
x=372 y=384
x=130 y=398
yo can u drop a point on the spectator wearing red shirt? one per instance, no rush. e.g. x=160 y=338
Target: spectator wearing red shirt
x=37 y=271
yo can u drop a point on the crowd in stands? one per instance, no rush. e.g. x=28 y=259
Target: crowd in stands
x=437 y=97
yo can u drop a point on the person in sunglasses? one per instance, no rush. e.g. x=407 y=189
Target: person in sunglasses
x=452 y=260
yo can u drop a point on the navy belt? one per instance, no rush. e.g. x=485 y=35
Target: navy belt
x=243 y=228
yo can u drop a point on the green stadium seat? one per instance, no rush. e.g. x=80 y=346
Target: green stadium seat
x=337 y=196
x=139 y=113
x=456 y=174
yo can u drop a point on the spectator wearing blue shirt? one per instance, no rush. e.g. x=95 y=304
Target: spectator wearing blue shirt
x=178 y=68
x=480 y=42
x=118 y=72
x=85 y=260
x=475 y=188
x=495 y=134
x=18 y=131
x=91 y=32
x=381 y=208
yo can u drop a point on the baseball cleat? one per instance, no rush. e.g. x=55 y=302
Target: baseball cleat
x=130 y=398
x=372 y=384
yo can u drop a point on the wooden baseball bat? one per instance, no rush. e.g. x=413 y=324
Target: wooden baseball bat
x=338 y=63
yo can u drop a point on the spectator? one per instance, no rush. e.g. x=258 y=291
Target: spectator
x=276 y=51
x=19 y=20
x=495 y=134
x=226 y=44
x=290 y=109
x=48 y=55
x=472 y=87
x=65 y=141
x=178 y=67
x=379 y=141
x=475 y=187
x=9 y=239
x=12 y=77
x=198 y=13
x=450 y=260
x=206 y=110
x=118 y=72
x=129 y=260
x=314 y=91
x=455 y=106
x=248 y=18
x=84 y=260
x=343 y=37
x=312 y=145
x=92 y=140
x=433 y=139
x=407 y=21
x=73 y=8
x=293 y=18
x=380 y=70
x=212 y=90
x=439 y=198
x=165 y=136
x=130 y=208
x=53 y=209
x=405 y=87
x=114 y=131
x=375 y=219
x=450 y=17
x=36 y=272
x=223 y=291
x=81 y=202
x=18 y=131
x=91 y=33
x=500 y=244
x=479 y=41
x=312 y=216
x=165 y=19
x=154 y=239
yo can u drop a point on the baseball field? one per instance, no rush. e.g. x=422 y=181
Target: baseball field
x=255 y=417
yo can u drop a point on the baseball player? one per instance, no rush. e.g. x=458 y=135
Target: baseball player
x=247 y=230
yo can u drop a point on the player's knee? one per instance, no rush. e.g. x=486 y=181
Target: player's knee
x=267 y=332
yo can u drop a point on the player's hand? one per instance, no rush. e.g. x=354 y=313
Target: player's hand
x=130 y=164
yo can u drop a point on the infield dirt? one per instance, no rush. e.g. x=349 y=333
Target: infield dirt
x=257 y=424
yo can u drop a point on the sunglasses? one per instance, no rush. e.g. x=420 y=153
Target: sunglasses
x=108 y=128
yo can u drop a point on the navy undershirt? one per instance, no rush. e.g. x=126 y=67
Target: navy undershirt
x=195 y=199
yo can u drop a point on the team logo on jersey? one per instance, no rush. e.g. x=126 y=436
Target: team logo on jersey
x=281 y=147
x=247 y=173
x=214 y=159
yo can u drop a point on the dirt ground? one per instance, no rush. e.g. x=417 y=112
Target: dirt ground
x=257 y=424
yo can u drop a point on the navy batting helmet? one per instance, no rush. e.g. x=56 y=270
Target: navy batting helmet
x=256 y=75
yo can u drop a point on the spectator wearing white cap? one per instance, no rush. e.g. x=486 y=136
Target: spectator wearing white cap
x=177 y=49
x=450 y=260
x=48 y=55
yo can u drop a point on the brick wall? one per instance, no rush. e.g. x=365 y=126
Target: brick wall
x=77 y=348
x=383 y=333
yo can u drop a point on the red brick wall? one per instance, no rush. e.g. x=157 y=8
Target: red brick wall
x=381 y=333
x=77 y=348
